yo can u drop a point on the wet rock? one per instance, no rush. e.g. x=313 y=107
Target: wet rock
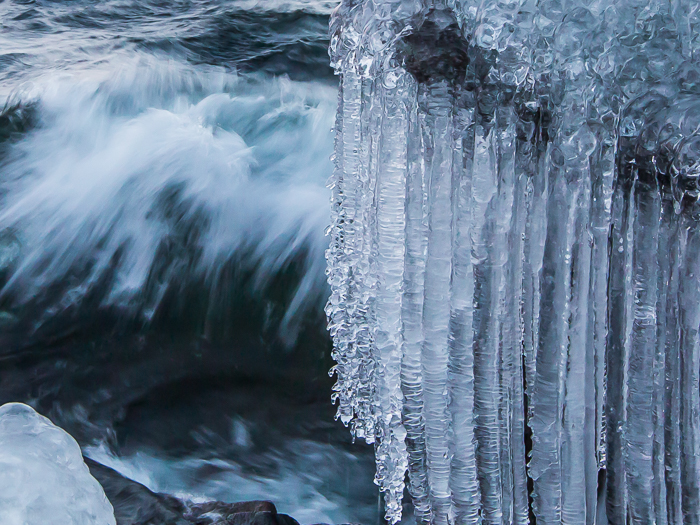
x=242 y=507
x=135 y=504
x=243 y=513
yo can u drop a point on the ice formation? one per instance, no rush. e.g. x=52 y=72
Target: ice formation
x=514 y=256
x=43 y=479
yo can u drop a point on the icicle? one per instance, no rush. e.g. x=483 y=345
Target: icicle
x=343 y=233
x=666 y=241
x=367 y=409
x=534 y=243
x=639 y=430
x=486 y=317
x=412 y=315
x=464 y=483
x=349 y=308
x=689 y=322
x=576 y=455
x=602 y=175
x=549 y=461
x=391 y=454
x=510 y=375
x=517 y=409
x=619 y=311
x=671 y=332
x=518 y=317
x=436 y=307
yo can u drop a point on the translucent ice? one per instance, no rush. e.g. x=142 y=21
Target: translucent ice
x=43 y=479
x=515 y=256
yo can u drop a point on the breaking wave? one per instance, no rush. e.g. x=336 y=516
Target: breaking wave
x=147 y=184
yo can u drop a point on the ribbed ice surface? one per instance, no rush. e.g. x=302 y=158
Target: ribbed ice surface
x=515 y=256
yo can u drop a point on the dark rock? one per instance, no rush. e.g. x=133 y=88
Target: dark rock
x=240 y=518
x=232 y=508
x=436 y=50
x=134 y=504
x=284 y=519
x=244 y=513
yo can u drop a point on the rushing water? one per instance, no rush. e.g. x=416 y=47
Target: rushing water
x=513 y=261
x=163 y=201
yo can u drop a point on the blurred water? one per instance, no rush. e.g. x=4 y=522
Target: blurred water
x=162 y=213
x=148 y=172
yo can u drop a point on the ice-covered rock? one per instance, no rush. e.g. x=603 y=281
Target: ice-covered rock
x=43 y=479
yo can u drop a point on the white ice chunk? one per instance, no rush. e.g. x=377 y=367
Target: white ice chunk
x=43 y=479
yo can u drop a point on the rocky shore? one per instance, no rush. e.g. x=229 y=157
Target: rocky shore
x=135 y=504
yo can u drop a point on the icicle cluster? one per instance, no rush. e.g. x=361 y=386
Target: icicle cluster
x=515 y=256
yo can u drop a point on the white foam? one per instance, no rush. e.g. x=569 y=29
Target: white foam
x=311 y=482
x=246 y=157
